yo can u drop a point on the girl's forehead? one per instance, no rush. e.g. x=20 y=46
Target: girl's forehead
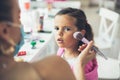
x=65 y=19
x=65 y=16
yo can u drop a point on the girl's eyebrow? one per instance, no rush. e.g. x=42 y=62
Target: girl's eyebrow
x=68 y=27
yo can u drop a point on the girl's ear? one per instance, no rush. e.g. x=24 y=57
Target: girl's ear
x=83 y=32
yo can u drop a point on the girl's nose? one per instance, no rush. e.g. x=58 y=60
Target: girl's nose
x=60 y=33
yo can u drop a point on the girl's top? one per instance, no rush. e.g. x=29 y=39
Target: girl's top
x=90 y=68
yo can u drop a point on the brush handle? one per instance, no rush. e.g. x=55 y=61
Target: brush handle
x=94 y=48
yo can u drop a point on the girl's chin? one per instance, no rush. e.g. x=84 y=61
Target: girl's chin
x=61 y=46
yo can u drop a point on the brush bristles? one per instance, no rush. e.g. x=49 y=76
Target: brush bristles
x=78 y=35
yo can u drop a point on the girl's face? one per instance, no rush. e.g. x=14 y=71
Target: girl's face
x=64 y=29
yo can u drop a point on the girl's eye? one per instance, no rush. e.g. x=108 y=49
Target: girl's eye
x=67 y=29
x=56 y=28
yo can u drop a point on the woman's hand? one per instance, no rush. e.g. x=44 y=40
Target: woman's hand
x=83 y=58
x=86 y=54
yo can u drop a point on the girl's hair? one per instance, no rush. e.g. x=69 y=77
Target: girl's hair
x=6 y=10
x=81 y=21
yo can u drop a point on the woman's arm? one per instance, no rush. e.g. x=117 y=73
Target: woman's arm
x=84 y=57
x=54 y=68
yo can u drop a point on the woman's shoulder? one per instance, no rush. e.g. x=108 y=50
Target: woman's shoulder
x=20 y=70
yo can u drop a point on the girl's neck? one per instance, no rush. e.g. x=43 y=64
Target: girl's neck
x=71 y=53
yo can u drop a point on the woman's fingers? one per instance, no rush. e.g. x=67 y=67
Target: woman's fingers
x=89 y=46
x=82 y=47
x=86 y=54
x=91 y=55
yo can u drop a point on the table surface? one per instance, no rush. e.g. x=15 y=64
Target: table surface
x=28 y=53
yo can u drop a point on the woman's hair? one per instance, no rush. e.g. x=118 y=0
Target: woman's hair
x=6 y=10
x=81 y=21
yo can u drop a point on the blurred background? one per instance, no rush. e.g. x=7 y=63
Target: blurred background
x=48 y=8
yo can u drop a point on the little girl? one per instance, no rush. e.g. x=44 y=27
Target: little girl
x=67 y=22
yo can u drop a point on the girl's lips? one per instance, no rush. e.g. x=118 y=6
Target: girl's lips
x=59 y=40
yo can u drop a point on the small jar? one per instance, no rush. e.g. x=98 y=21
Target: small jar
x=41 y=22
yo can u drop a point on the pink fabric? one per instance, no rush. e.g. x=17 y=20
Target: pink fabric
x=90 y=68
x=49 y=1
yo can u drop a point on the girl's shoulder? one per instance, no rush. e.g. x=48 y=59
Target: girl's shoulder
x=60 y=51
x=91 y=70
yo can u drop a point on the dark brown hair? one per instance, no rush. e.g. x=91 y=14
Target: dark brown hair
x=6 y=10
